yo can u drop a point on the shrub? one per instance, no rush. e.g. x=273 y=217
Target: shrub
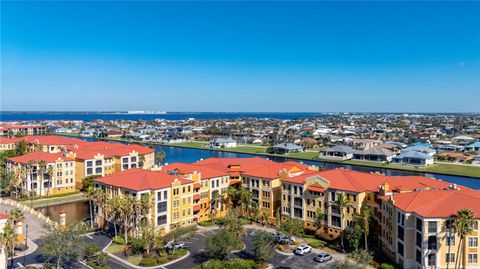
x=315 y=243
x=281 y=247
x=162 y=253
x=148 y=262
x=386 y=266
x=90 y=251
x=206 y=223
x=119 y=240
x=162 y=260
x=240 y=264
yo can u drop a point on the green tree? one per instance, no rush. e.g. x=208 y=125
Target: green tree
x=341 y=203
x=264 y=246
x=292 y=227
x=42 y=169
x=365 y=215
x=319 y=218
x=87 y=182
x=21 y=148
x=363 y=258
x=161 y=157
x=463 y=226
x=90 y=195
x=8 y=239
x=63 y=247
x=354 y=236
x=233 y=224
x=219 y=245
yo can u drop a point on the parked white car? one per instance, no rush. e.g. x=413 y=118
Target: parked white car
x=302 y=250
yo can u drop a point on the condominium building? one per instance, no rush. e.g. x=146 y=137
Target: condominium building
x=43 y=173
x=91 y=158
x=10 y=130
x=417 y=229
x=172 y=195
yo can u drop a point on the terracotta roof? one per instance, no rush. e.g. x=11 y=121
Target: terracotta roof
x=53 y=140
x=3 y=216
x=140 y=179
x=37 y=156
x=353 y=181
x=4 y=140
x=196 y=208
x=196 y=197
x=315 y=188
x=185 y=168
x=438 y=203
x=18 y=126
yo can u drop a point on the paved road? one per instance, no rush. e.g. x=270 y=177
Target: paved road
x=36 y=227
x=197 y=255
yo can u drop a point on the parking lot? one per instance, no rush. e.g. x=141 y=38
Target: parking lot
x=294 y=261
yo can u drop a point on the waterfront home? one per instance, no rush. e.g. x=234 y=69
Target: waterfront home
x=454 y=156
x=374 y=154
x=63 y=130
x=475 y=147
x=421 y=144
x=222 y=143
x=363 y=144
x=421 y=149
x=284 y=148
x=398 y=144
x=413 y=158
x=339 y=152
x=43 y=173
x=463 y=140
x=450 y=148
x=8 y=143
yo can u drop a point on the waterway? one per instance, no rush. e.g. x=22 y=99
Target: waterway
x=189 y=155
x=74 y=211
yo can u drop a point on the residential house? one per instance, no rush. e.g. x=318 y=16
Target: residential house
x=337 y=152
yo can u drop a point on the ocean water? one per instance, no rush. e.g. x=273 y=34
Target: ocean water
x=19 y=116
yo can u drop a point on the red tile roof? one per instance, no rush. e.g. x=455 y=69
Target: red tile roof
x=315 y=188
x=3 y=216
x=140 y=179
x=185 y=168
x=353 y=181
x=37 y=156
x=4 y=140
x=53 y=140
x=196 y=208
x=18 y=126
x=438 y=203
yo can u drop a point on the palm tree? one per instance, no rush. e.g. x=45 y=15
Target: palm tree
x=49 y=173
x=161 y=157
x=365 y=215
x=30 y=169
x=463 y=226
x=90 y=194
x=141 y=161
x=15 y=216
x=341 y=203
x=111 y=211
x=8 y=239
x=19 y=176
x=126 y=209
x=319 y=218
x=42 y=168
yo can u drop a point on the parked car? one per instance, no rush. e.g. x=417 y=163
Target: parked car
x=323 y=257
x=174 y=245
x=302 y=250
x=282 y=239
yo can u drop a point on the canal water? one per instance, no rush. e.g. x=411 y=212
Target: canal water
x=74 y=211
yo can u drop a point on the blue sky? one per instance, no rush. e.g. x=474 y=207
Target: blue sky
x=241 y=56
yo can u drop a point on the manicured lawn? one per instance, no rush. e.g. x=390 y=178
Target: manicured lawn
x=59 y=199
x=134 y=259
x=192 y=144
x=314 y=242
x=206 y=223
x=114 y=248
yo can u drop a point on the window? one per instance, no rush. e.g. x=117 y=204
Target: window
x=175 y=215
x=449 y=257
x=475 y=226
x=98 y=162
x=89 y=163
x=432 y=242
x=159 y=196
x=266 y=204
x=432 y=226
x=162 y=207
x=125 y=160
x=400 y=249
x=183 y=201
x=418 y=257
x=133 y=159
x=419 y=240
x=431 y=260
x=161 y=220
x=89 y=171
x=400 y=232
x=450 y=240
x=448 y=224
x=98 y=170
x=419 y=224
x=176 y=203
x=175 y=191
x=473 y=241
x=472 y=258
